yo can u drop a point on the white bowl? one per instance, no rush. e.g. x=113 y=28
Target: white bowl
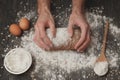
x=17 y=61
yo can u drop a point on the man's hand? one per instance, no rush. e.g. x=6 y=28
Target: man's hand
x=78 y=19
x=44 y=20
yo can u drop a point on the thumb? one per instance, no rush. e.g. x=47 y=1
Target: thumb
x=52 y=28
x=70 y=30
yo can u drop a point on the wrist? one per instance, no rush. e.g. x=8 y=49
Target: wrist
x=78 y=6
x=43 y=10
x=77 y=10
x=43 y=5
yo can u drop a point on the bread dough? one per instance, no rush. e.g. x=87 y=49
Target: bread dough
x=63 y=41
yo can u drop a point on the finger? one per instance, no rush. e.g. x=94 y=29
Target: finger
x=38 y=44
x=40 y=36
x=41 y=42
x=82 y=38
x=36 y=34
x=52 y=28
x=85 y=44
x=44 y=38
x=37 y=37
x=36 y=30
x=70 y=29
x=48 y=42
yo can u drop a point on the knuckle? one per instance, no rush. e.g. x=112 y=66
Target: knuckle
x=40 y=23
x=41 y=43
x=52 y=26
x=51 y=21
x=70 y=21
x=82 y=39
x=86 y=26
x=35 y=26
x=53 y=31
x=68 y=29
x=40 y=46
x=88 y=39
x=34 y=39
x=42 y=36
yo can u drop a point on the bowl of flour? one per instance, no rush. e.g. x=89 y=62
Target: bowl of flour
x=17 y=61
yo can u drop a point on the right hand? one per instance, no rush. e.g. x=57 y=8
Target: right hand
x=77 y=18
x=44 y=20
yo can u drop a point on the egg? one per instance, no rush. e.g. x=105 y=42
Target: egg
x=24 y=24
x=15 y=30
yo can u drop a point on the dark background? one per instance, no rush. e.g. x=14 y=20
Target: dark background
x=8 y=13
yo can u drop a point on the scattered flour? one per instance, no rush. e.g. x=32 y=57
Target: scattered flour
x=69 y=60
x=101 y=68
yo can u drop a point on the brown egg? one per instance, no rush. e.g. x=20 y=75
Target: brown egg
x=15 y=30
x=24 y=24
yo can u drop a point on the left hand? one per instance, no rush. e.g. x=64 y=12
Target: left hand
x=44 y=20
x=78 y=19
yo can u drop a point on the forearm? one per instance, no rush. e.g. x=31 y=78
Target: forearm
x=43 y=5
x=78 y=5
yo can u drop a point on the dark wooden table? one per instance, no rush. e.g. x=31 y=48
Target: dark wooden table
x=8 y=14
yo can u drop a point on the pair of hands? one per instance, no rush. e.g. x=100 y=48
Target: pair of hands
x=45 y=19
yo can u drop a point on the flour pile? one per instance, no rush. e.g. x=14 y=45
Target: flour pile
x=101 y=68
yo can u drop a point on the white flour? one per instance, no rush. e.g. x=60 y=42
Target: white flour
x=17 y=60
x=101 y=68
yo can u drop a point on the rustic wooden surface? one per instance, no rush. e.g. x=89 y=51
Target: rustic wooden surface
x=8 y=10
